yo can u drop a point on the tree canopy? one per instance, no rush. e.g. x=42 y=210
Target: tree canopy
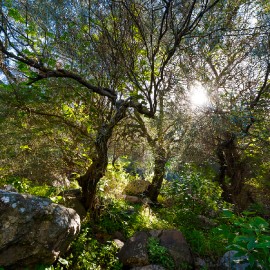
x=73 y=70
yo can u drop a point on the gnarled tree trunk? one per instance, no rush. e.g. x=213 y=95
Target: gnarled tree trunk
x=159 y=172
x=231 y=173
x=97 y=169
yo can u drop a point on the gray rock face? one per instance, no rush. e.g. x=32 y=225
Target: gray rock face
x=135 y=254
x=33 y=230
x=177 y=246
x=230 y=262
x=134 y=251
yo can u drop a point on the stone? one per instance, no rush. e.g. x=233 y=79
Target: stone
x=134 y=252
x=118 y=243
x=137 y=187
x=155 y=233
x=132 y=199
x=177 y=246
x=9 y=188
x=33 y=230
x=200 y=264
x=230 y=262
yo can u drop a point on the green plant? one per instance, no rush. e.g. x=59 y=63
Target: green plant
x=205 y=243
x=87 y=253
x=115 y=180
x=159 y=254
x=194 y=190
x=249 y=236
x=20 y=183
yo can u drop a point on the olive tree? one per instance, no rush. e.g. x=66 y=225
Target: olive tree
x=122 y=51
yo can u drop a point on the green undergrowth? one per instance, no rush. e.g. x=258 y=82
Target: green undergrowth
x=87 y=253
x=127 y=218
x=159 y=254
x=24 y=185
x=191 y=203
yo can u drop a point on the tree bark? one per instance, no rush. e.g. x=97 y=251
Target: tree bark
x=97 y=169
x=231 y=172
x=159 y=172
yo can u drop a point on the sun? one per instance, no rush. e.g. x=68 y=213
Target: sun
x=198 y=96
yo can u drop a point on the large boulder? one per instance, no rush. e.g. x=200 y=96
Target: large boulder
x=134 y=253
x=136 y=187
x=230 y=261
x=177 y=246
x=33 y=230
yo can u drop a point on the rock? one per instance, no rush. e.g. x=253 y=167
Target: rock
x=177 y=246
x=33 y=230
x=155 y=233
x=132 y=199
x=134 y=252
x=72 y=199
x=149 y=267
x=118 y=243
x=230 y=262
x=9 y=188
x=200 y=264
x=137 y=187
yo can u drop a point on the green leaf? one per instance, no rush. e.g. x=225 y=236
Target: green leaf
x=248 y=213
x=242 y=238
x=240 y=254
x=15 y=14
x=251 y=244
x=227 y=213
x=263 y=245
x=251 y=260
x=25 y=147
x=259 y=222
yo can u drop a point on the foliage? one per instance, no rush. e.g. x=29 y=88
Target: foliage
x=115 y=180
x=19 y=183
x=249 y=236
x=194 y=189
x=24 y=185
x=205 y=243
x=192 y=194
x=159 y=254
x=87 y=253
x=119 y=215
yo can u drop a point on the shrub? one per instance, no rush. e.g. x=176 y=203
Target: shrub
x=249 y=236
x=159 y=254
x=194 y=190
x=87 y=253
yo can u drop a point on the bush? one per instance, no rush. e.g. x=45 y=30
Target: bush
x=249 y=236
x=194 y=190
x=87 y=253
